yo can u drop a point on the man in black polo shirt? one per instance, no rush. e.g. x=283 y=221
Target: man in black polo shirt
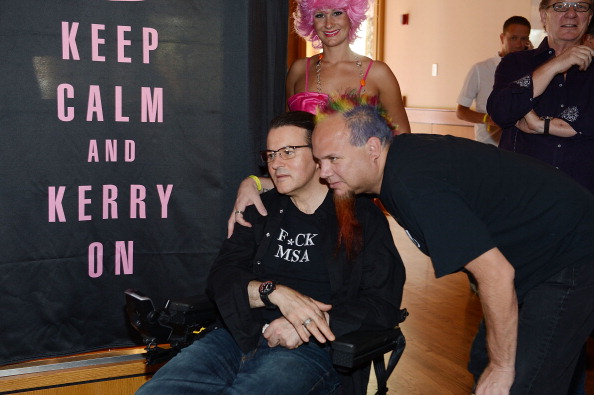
x=524 y=229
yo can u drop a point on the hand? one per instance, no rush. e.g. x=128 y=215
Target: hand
x=579 y=55
x=308 y=316
x=531 y=123
x=282 y=333
x=495 y=381
x=523 y=126
x=247 y=194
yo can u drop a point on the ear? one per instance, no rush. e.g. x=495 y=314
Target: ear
x=374 y=147
x=501 y=37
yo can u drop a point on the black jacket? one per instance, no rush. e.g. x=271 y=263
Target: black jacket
x=366 y=293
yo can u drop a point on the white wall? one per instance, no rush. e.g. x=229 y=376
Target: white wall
x=452 y=33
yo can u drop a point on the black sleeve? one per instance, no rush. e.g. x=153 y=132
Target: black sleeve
x=228 y=281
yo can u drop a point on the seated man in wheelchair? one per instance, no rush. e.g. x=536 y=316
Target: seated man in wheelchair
x=311 y=270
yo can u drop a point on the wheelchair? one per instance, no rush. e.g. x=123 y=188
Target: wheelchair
x=180 y=322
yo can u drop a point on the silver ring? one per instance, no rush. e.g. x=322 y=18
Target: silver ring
x=238 y=212
x=306 y=322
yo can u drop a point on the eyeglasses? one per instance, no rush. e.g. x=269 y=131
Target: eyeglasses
x=285 y=153
x=563 y=6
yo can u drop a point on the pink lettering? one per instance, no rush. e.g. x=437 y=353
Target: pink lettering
x=122 y=43
x=94 y=104
x=150 y=42
x=69 y=41
x=111 y=150
x=95 y=42
x=137 y=204
x=55 y=204
x=151 y=103
x=110 y=194
x=93 y=152
x=82 y=202
x=124 y=259
x=164 y=198
x=65 y=114
x=129 y=150
x=109 y=205
x=151 y=106
x=95 y=265
x=118 y=106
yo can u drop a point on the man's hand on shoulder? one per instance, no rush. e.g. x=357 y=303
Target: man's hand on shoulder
x=247 y=194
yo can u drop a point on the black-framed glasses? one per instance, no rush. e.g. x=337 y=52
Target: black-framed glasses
x=563 y=6
x=285 y=153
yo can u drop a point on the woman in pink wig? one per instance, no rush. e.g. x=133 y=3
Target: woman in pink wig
x=332 y=25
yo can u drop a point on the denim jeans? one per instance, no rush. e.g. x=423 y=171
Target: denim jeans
x=555 y=320
x=216 y=365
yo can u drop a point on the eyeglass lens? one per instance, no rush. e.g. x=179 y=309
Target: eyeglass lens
x=563 y=6
x=284 y=153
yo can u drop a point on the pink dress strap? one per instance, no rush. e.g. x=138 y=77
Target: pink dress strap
x=362 y=82
x=307 y=74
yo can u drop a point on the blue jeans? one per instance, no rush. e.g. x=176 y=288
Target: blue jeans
x=555 y=320
x=216 y=365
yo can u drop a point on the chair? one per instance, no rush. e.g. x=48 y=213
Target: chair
x=182 y=321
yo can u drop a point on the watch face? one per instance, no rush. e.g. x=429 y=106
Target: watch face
x=267 y=287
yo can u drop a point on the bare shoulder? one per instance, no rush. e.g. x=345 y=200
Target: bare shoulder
x=298 y=66
x=381 y=69
x=295 y=77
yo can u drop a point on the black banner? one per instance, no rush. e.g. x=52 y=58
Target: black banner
x=125 y=127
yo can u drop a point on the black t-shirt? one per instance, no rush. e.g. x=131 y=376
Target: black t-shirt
x=295 y=257
x=458 y=198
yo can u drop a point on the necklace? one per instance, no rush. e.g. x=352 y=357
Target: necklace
x=358 y=63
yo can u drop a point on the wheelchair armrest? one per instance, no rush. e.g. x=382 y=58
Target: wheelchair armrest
x=196 y=309
x=357 y=348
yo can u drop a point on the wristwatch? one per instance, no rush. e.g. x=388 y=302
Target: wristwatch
x=547 y=124
x=266 y=289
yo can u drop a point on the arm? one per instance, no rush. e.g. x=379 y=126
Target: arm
x=532 y=124
x=229 y=277
x=466 y=114
x=511 y=98
x=495 y=277
x=519 y=83
x=248 y=194
x=580 y=56
x=296 y=308
x=390 y=95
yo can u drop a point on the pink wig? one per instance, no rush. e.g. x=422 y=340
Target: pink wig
x=304 y=13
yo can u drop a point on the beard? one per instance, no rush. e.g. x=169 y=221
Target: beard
x=349 y=230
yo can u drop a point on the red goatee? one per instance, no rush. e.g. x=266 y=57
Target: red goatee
x=349 y=230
